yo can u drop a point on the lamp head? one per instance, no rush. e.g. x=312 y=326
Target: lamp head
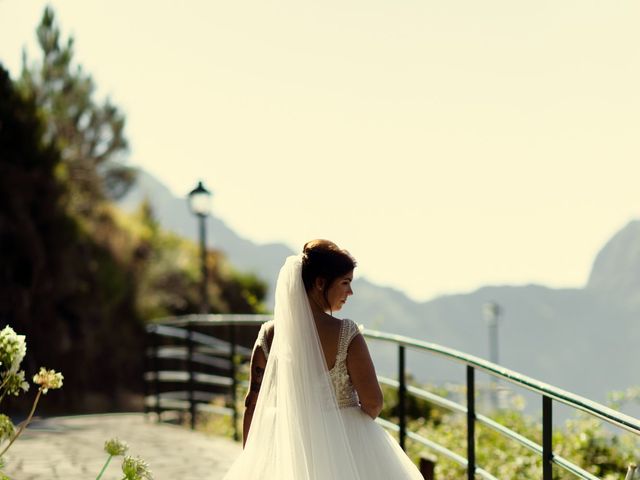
x=200 y=201
x=491 y=311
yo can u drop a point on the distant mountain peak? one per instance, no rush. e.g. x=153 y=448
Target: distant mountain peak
x=617 y=265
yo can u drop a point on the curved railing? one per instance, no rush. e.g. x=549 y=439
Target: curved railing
x=222 y=354
x=548 y=393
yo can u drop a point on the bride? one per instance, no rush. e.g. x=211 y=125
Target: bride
x=313 y=393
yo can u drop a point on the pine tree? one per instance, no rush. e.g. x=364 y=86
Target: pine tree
x=89 y=135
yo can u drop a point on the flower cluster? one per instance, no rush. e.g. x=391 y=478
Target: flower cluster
x=135 y=469
x=12 y=349
x=7 y=428
x=115 y=447
x=48 y=379
x=13 y=383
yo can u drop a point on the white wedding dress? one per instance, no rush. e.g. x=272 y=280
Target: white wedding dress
x=307 y=423
x=377 y=455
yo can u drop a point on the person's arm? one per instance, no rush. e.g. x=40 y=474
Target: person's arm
x=258 y=364
x=363 y=377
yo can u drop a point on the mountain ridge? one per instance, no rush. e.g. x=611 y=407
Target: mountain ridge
x=541 y=328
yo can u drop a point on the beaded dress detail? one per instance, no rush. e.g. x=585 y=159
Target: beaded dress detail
x=345 y=393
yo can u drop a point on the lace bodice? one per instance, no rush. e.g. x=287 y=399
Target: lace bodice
x=345 y=393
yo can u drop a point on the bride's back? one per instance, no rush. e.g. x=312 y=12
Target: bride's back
x=328 y=332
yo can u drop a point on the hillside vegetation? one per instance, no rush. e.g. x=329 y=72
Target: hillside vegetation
x=79 y=277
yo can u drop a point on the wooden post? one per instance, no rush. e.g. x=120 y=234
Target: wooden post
x=191 y=380
x=427 y=467
x=234 y=380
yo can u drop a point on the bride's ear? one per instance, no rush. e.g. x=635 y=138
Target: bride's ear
x=319 y=284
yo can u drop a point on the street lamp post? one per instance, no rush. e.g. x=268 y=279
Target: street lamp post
x=491 y=312
x=200 y=206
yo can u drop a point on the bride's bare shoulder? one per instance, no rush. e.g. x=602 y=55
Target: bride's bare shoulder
x=269 y=328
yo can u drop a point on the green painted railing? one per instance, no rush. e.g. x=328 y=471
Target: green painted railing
x=220 y=353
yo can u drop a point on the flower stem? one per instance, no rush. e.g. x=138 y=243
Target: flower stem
x=2 y=387
x=24 y=424
x=104 y=467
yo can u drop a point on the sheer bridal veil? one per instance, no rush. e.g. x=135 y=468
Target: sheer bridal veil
x=297 y=431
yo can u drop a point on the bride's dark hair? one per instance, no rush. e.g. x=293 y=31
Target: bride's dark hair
x=324 y=259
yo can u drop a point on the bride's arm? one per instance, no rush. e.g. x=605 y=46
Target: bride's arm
x=363 y=376
x=258 y=364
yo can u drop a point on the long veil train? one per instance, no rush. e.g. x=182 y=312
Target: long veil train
x=297 y=431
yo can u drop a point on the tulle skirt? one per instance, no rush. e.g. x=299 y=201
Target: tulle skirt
x=375 y=451
x=375 y=454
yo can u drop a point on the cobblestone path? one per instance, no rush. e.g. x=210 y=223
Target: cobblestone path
x=71 y=448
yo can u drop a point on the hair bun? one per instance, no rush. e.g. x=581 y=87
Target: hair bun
x=323 y=258
x=319 y=245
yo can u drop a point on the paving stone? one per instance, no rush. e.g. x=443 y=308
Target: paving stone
x=72 y=448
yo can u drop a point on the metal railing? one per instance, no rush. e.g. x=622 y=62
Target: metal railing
x=224 y=355
x=176 y=354
x=547 y=392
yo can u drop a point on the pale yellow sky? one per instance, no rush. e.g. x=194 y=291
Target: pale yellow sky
x=448 y=145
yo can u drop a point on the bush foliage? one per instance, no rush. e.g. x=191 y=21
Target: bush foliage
x=78 y=276
x=583 y=440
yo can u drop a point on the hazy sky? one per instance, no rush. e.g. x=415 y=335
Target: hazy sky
x=447 y=145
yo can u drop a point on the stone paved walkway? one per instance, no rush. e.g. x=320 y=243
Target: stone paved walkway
x=71 y=448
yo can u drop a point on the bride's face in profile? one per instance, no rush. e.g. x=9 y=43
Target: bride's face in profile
x=339 y=291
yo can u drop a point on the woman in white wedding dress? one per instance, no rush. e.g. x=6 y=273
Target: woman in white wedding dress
x=313 y=393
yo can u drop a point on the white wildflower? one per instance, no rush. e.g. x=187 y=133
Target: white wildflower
x=135 y=469
x=115 y=447
x=48 y=379
x=13 y=348
x=13 y=383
